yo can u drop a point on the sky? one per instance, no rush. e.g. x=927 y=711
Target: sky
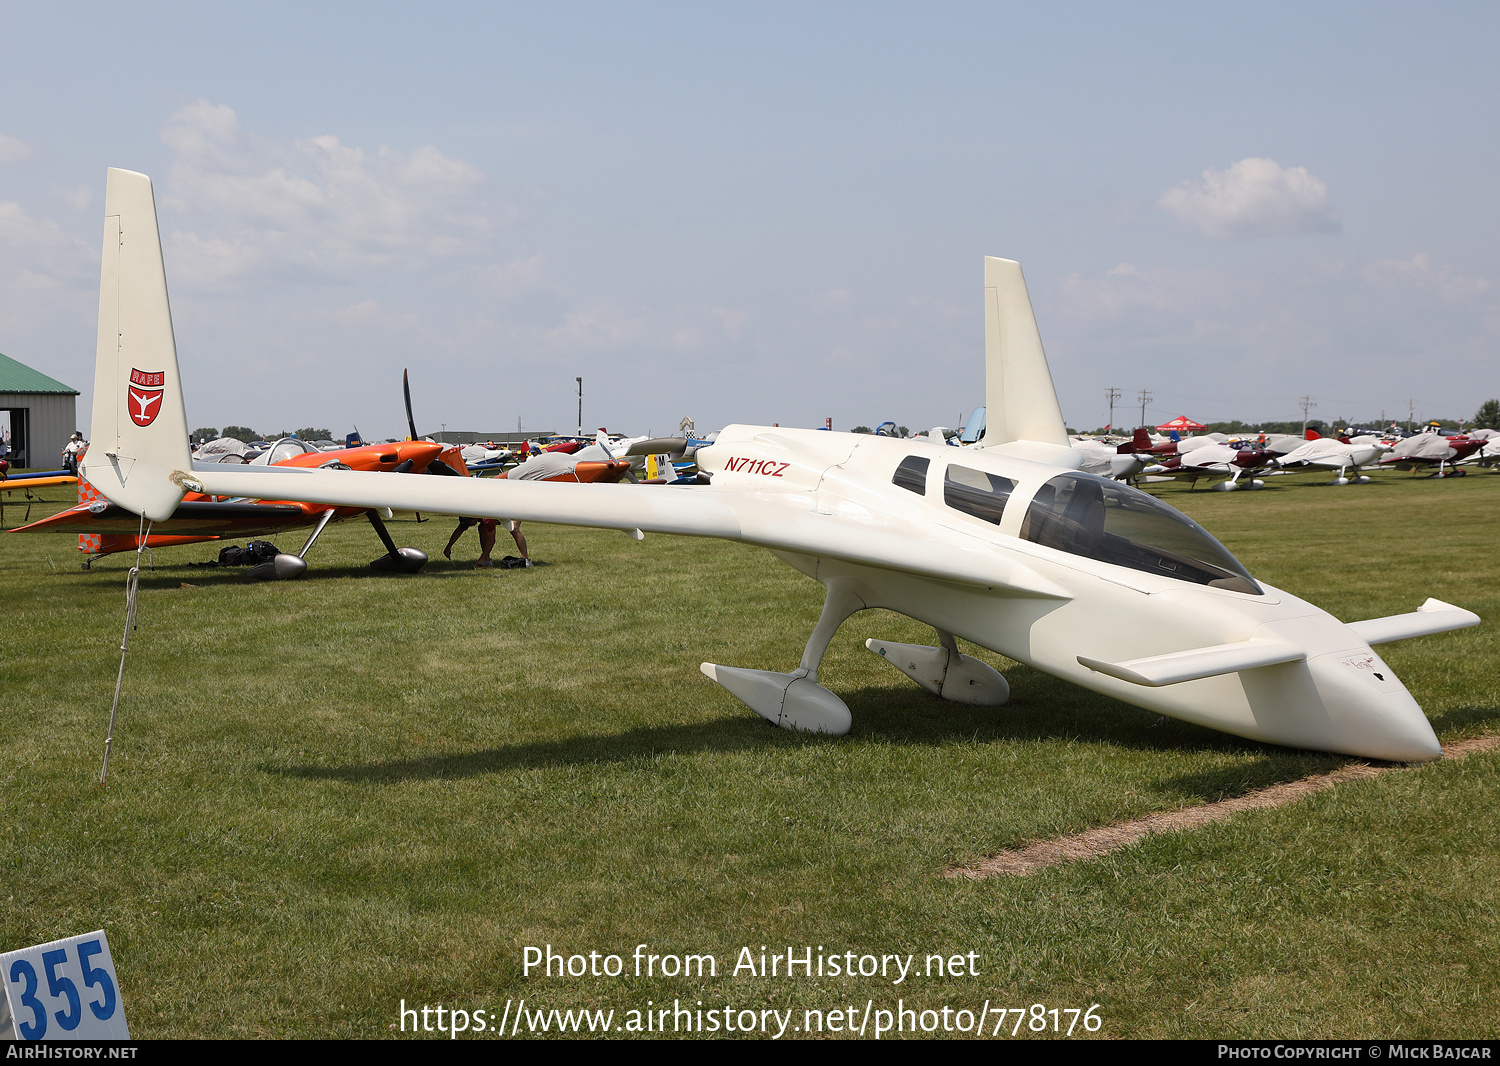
x=765 y=212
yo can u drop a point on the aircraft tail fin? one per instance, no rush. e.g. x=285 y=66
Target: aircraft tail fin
x=1020 y=400
x=139 y=430
x=1312 y=434
x=1139 y=442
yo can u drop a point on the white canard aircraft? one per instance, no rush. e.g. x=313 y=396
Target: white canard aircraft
x=1008 y=546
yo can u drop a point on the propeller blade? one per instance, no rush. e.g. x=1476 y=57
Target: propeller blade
x=411 y=423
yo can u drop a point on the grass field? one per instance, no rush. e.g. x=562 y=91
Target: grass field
x=331 y=795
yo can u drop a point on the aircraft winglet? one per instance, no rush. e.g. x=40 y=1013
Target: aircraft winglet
x=1434 y=616
x=139 y=430
x=1021 y=402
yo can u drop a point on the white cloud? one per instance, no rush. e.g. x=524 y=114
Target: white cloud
x=1127 y=291
x=371 y=313
x=609 y=327
x=48 y=283
x=1253 y=198
x=13 y=149
x=35 y=254
x=1419 y=271
x=78 y=198
x=313 y=209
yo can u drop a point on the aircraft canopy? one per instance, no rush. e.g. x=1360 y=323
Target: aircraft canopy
x=1100 y=519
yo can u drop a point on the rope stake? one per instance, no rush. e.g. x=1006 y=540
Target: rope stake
x=132 y=598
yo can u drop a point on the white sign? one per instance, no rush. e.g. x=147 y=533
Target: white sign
x=65 y=990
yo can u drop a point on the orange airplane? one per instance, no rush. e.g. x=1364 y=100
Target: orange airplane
x=105 y=529
x=42 y=479
x=26 y=482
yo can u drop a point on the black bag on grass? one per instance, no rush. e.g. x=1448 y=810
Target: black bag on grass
x=257 y=551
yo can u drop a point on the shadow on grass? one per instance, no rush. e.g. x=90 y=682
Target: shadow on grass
x=1460 y=718
x=170 y=578
x=721 y=735
x=889 y=715
x=1276 y=768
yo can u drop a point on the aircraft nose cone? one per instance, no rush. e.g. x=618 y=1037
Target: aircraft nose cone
x=1367 y=703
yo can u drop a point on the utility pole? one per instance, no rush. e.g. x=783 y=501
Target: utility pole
x=1112 y=394
x=1145 y=398
x=580 y=406
x=1411 y=406
x=1308 y=403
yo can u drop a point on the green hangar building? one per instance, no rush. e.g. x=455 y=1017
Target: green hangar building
x=39 y=413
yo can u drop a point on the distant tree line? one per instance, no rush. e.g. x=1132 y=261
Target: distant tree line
x=245 y=433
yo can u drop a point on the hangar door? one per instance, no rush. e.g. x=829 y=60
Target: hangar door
x=13 y=427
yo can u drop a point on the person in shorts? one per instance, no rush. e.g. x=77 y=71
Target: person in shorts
x=487 y=528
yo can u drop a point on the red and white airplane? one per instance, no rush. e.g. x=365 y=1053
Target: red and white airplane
x=1217 y=461
x=1433 y=452
x=1326 y=453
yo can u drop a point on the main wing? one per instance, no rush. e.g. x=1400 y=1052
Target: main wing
x=10 y=485
x=190 y=518
x=783 y=521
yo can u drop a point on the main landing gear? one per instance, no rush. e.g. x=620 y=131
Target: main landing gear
x=797 y=701
x=1235 y=483
x=396 y=560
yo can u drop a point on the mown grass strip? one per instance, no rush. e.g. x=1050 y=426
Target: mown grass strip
x=1094 y=843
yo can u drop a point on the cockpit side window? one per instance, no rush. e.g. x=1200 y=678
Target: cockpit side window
x=912 y=474
x=1113 y=523
x=977 y=493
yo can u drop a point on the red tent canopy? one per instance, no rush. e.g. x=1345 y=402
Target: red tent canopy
x=1181 y=422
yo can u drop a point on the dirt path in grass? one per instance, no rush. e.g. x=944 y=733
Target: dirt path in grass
x=1092 y=843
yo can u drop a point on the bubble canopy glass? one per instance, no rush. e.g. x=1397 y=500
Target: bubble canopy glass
x=1114 y=523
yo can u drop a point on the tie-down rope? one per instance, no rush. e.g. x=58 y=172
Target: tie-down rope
x=132 y=598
